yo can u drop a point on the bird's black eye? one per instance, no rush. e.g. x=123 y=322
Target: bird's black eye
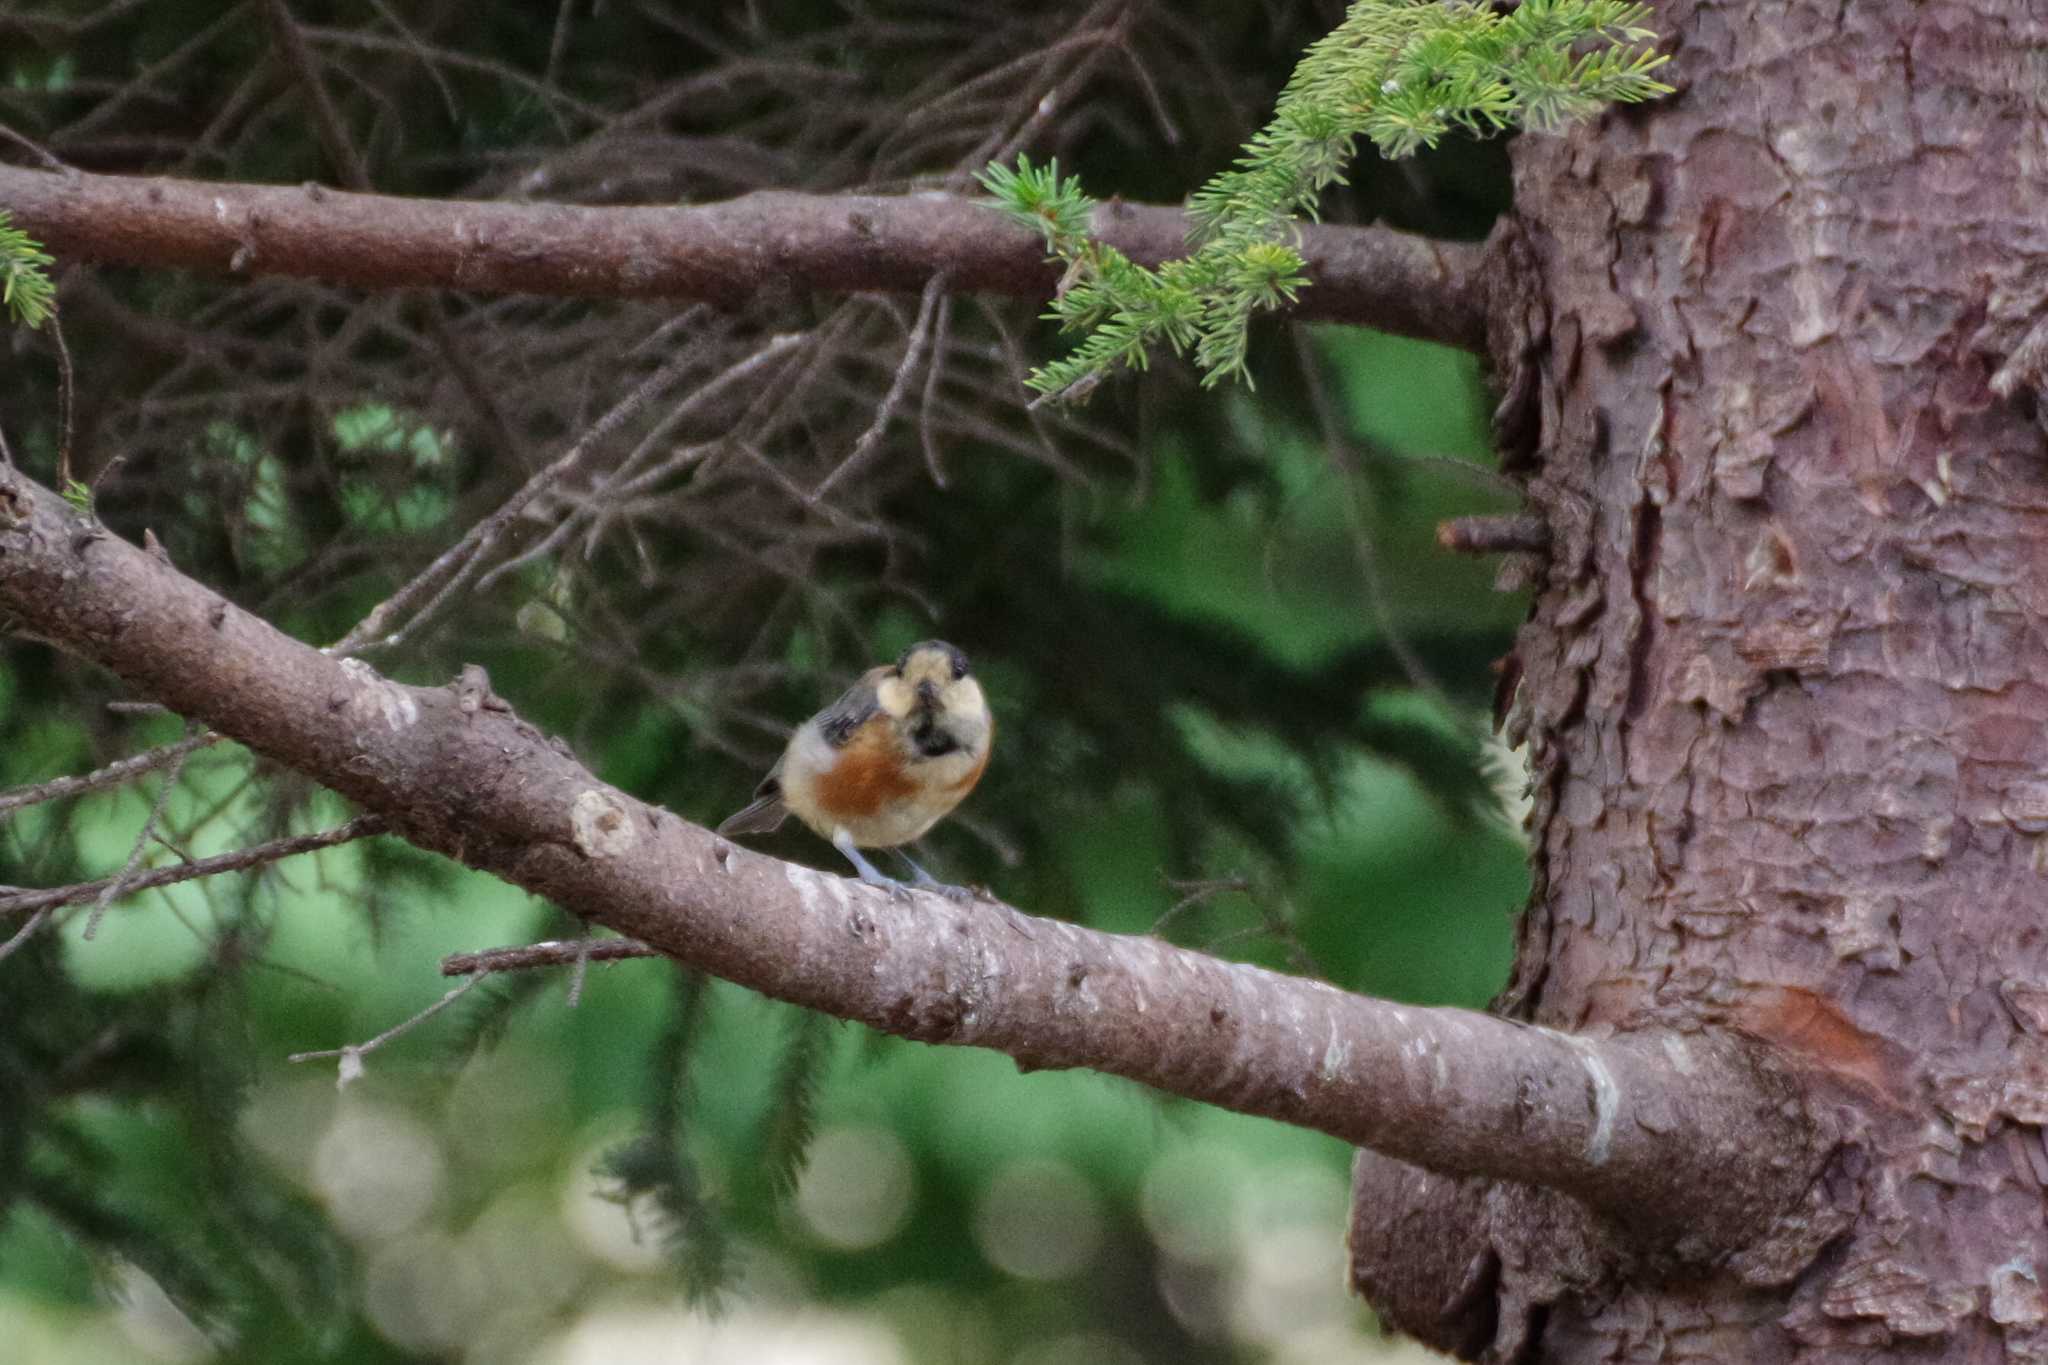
x=959 y=665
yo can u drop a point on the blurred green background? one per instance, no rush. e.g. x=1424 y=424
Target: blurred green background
x=1241 y=697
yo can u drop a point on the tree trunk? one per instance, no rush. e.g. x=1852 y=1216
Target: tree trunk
x=1784 y=683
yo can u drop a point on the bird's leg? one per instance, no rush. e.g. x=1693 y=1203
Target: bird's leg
x=843 y=841
x=925 y=881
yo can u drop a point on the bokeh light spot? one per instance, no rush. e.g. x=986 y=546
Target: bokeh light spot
x=1038 y=1220
x=378 y=1168
x=856 y=1190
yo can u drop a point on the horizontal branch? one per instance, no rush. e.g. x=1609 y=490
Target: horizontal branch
x=721 y=253
x=1653 y=1128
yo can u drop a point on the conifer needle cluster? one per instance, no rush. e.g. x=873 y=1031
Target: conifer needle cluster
x=25 y=287
x=1400 y=73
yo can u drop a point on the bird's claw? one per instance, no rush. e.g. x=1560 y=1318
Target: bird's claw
x=898 y=892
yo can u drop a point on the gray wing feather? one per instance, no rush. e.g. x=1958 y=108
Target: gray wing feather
x=838 y=721
x=763 y=815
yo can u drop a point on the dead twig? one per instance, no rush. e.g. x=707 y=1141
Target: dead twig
x=113 y=775
x=1494 y=535
x=26 y=932
x=116 y=884
x=885 y=411
x=352 y=1055
x=242 y=859
x=462 y=559
x=554 y=953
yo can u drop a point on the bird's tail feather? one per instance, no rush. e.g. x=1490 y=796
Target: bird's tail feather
x=764 y=815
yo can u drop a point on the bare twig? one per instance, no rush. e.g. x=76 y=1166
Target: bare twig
x=1169 y=131
x=1344 y=468
x=352 y=1055
x=354 y=173
x=117 y=884
x=114 y=774
x=1194 y=893
x=334 y=138
x=465 y=557
x=51 y=162
x=67 y=398
x=557 y=102
x=770 y=350
x=559 y=43
x=145 y=80
x=1074 y=77
x=449 y=103
x=1274 y=921
x=26 y=932
x=1494 y=535
x=933 y=373
x=899 y=385
x=241 y=860
x=554 y=953
x=577 y=975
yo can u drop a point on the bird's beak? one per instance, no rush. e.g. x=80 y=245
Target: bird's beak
x=928 y=694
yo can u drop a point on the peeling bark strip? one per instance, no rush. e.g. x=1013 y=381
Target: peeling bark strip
x=719 y=253
x=1665 y=1132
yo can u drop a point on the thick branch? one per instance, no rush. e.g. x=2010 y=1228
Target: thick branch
x=721 y=253
x=1657 y=1129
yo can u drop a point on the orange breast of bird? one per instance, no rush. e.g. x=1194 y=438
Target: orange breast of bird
x=867 y=775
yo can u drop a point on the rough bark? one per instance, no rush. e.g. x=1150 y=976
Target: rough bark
x=718 y=253
x=1623 y=1124
x=1784 y=682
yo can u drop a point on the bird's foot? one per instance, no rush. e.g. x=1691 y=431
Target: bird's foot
x=925 y=881
x=898 y=892
x=869 y=873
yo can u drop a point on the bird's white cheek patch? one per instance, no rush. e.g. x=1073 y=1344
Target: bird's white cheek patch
x=895 y=697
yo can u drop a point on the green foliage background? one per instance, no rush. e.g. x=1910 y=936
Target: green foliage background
x=1197 y=676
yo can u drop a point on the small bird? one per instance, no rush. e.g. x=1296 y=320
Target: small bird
x=884 y=763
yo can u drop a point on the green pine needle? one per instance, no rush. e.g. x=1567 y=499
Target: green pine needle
x=792 y=1109
x=25 y=286
x=1399 y=73
x=655 y=1168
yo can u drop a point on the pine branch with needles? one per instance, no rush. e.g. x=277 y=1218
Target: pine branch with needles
x=1398 y=73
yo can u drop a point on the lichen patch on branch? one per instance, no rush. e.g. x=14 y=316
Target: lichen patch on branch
x=601 y=825
x=377 y=700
